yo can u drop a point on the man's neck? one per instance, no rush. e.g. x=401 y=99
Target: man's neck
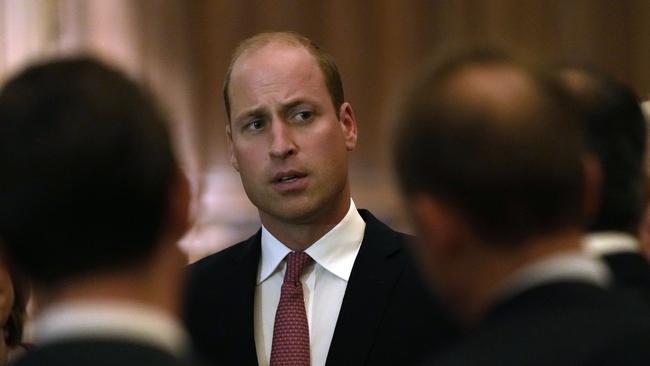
x=495 y=267
x=300 y=235
x=125 y=286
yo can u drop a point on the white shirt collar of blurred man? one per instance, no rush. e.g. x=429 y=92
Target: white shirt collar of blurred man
x=603 y=243
x=111 y=320
x=568 y=266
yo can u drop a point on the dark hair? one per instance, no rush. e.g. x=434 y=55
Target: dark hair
x=512 y=168
x=86 y=164
x=325 y=62
x=616 y=134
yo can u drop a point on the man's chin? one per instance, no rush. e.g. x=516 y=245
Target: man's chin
x=296 y=216
x=296 y=212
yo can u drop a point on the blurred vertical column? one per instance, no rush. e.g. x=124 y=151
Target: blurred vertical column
x=27 y=30
x=147 y=38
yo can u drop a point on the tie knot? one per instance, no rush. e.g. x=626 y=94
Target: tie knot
x=296 y=263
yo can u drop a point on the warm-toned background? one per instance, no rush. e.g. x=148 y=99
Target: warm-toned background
x=180 y=48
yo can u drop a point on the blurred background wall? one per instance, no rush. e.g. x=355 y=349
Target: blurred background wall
x=180 y=49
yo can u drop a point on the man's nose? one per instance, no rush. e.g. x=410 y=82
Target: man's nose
x=282 y=142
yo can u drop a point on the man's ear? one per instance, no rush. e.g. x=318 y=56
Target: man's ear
x=231 y=150
x=437 y=224
x=593 y=177
x=348 y=125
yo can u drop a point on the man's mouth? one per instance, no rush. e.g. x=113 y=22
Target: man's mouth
x=290 y=180
x=288 y=176
x=287 y=179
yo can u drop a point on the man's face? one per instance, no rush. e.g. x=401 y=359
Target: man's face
x=286 y=139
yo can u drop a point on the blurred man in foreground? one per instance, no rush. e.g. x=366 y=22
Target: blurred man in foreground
x=491 y=160
x=93 y=204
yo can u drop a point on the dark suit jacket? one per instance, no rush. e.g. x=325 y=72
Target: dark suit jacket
x=387 y=317
x=99 y=352
x=559 y=324
x=631 y=273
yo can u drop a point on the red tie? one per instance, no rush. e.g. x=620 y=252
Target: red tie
x=291 y=330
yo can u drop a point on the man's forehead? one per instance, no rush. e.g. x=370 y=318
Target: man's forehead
x=273 y=54
x=275 y=67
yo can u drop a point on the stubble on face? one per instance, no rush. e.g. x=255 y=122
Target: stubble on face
x=272 y=84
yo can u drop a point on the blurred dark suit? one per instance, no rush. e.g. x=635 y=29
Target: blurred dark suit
x=560 y=323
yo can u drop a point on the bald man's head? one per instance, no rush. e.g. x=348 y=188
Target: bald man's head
x=497 y=141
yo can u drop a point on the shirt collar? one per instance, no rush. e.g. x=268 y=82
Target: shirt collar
x=111 y=319
x=608 y=242
x=335 y=251
x=566 y=266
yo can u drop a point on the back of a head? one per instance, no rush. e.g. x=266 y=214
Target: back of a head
x=616 y=134
x=86 y=166
x=497 y=141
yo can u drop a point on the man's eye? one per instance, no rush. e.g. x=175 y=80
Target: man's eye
x=255 y=125
x=303 y=115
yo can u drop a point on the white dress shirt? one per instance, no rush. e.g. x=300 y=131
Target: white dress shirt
x=323 y=284
x=603 y=243
x=110 y=319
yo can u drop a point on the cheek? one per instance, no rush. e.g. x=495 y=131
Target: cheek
x=329 y=146
x=248 y=155
x=248 y=165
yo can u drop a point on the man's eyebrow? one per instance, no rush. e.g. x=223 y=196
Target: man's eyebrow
x=261 y=110
x=292 y=104
x=255 y=111
x=297 y=102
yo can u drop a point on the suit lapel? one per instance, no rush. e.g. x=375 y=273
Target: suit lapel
x=376 y=270
x=240 y=334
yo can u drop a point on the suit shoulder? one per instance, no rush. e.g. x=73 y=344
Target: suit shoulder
x=380 y=239
x=217 y=261
x=377 y=228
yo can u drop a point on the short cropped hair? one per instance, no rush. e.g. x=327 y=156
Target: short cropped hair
x=86 y=164
x=511 y=175
x=616 y=135
x=324 y=60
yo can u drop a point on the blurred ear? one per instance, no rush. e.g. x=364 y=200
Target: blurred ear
x=231 y=150
x=592 y=189
x=437 y=224
x=348 y=125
